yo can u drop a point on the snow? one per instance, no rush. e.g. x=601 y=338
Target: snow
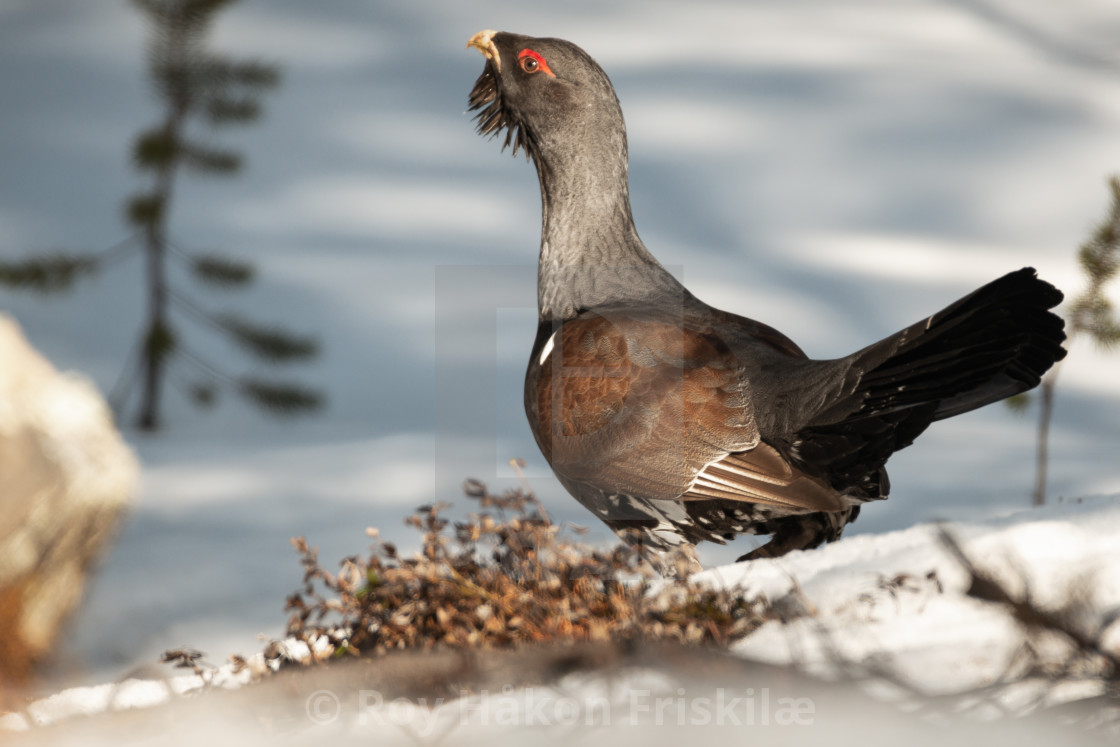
x=836 y=170
x=936 y=636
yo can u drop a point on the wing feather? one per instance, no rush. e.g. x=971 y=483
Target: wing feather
x=762 y=475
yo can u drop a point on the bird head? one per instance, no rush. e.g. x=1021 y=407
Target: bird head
x=544 y=93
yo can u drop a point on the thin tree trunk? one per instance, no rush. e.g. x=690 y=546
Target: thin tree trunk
x=1043 y=455
x=154 y=335
x=157 y=335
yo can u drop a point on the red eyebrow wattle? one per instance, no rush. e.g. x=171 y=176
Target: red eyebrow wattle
x=540 y=61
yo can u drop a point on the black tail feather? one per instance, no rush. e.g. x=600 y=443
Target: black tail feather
x=993 y=343
x=996 y=342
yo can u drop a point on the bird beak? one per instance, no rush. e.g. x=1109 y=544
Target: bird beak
x=483 y=42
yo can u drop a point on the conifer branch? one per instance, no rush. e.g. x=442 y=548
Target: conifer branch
x=1092 y=312
x=221 y=271
x=209 y=160
x=268 y=343
x=50 y=274
x=227 y=110
x=280 y=399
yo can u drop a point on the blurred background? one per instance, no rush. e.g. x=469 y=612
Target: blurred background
x=837 y=171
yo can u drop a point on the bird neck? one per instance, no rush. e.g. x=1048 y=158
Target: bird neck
x=591 y=255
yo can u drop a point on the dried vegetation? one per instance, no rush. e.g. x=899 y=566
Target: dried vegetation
x=506 y=575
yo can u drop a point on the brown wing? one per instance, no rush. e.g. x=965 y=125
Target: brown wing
x=761 y=475
x=645 y=407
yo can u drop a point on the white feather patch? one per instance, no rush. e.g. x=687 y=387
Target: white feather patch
x=547 y=349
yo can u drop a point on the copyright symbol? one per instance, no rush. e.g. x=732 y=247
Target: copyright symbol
x=323 y=707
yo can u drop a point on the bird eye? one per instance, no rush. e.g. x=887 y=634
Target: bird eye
x=532 y=62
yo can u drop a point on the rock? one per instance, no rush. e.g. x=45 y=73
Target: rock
x=66 y=477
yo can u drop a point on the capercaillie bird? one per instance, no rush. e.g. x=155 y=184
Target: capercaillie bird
x=676 y=422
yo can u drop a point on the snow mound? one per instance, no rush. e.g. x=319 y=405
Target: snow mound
x=902 y=597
